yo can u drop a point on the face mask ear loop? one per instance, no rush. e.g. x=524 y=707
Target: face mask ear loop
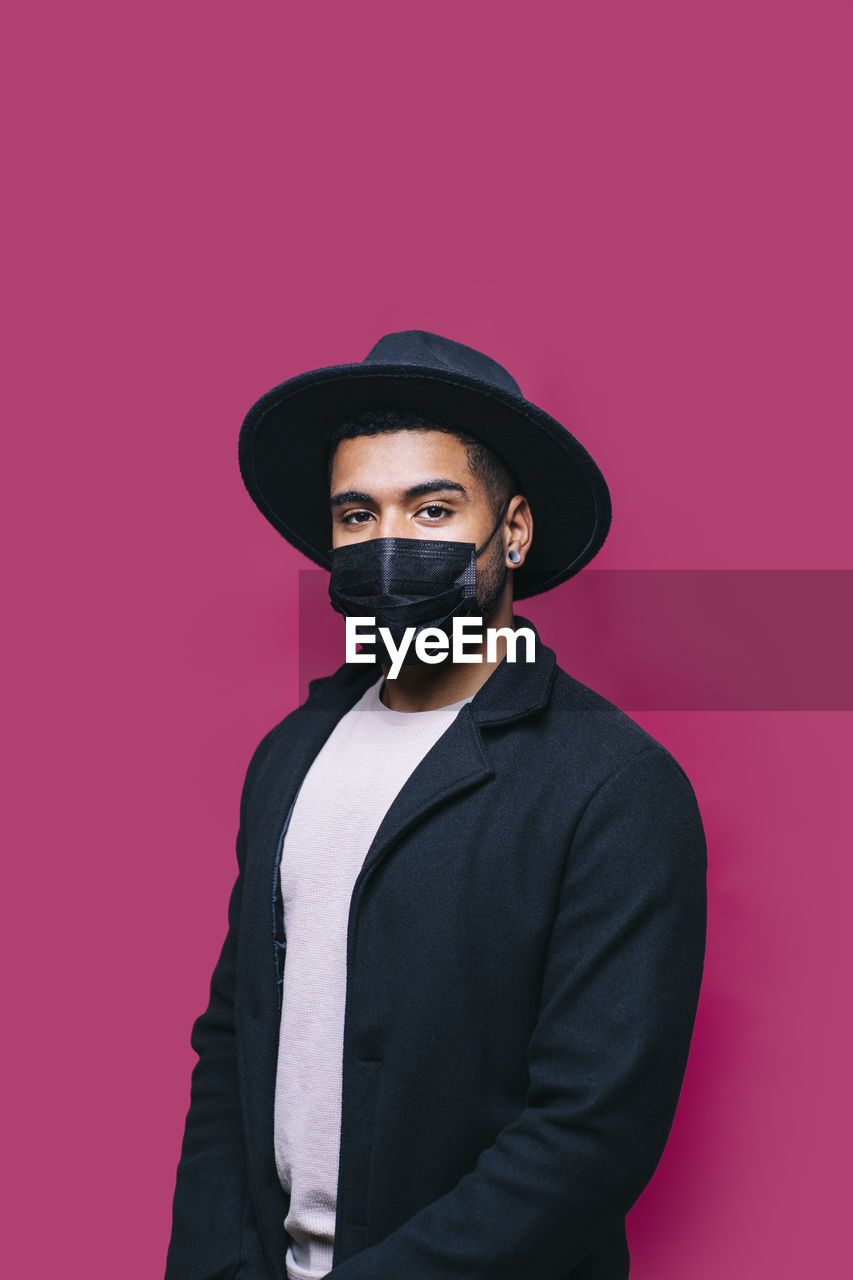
x=498 y=524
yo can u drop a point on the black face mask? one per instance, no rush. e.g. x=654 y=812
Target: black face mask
x=408 y=582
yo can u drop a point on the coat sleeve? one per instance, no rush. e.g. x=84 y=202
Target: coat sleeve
x=211 y=1225
x=606 y=1058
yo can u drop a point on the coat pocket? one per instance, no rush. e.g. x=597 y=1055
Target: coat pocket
x=362 y=1095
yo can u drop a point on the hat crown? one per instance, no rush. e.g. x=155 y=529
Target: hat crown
x=431 y=351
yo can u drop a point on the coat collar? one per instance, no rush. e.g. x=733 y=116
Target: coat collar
x=516 y=689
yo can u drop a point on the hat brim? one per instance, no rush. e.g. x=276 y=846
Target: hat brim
x=283 y=448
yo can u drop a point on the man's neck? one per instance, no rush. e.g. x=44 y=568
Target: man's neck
x=424 y=687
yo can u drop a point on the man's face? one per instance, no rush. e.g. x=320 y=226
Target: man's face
x=415 y=484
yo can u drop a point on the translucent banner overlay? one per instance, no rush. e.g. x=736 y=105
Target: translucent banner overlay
x=669 y=639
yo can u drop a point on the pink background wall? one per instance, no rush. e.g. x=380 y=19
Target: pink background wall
x=644 y=211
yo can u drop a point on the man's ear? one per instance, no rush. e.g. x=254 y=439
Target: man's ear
x=519 y=523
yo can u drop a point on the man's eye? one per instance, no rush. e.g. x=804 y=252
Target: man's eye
x=354 y=517
x=434 y=511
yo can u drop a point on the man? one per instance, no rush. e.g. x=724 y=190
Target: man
x=449 y=1024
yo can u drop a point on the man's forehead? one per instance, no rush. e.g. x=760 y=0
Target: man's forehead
x=401 y=458
x=420 y=441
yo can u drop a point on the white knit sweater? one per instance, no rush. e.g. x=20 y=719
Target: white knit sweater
x=343 y=799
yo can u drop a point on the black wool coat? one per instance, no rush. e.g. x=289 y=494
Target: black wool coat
x=525 y=948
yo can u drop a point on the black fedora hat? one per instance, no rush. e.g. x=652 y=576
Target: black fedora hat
x=284 y=443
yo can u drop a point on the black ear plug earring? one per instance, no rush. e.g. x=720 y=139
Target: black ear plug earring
x=514 y=555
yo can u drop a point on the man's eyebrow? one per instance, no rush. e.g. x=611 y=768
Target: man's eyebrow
x=441 y=485
x=434 y=486
x=349 y=495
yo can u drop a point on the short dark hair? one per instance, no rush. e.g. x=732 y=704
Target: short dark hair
x=499 y=481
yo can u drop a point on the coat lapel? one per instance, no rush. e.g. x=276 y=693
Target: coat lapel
x=455 y=763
